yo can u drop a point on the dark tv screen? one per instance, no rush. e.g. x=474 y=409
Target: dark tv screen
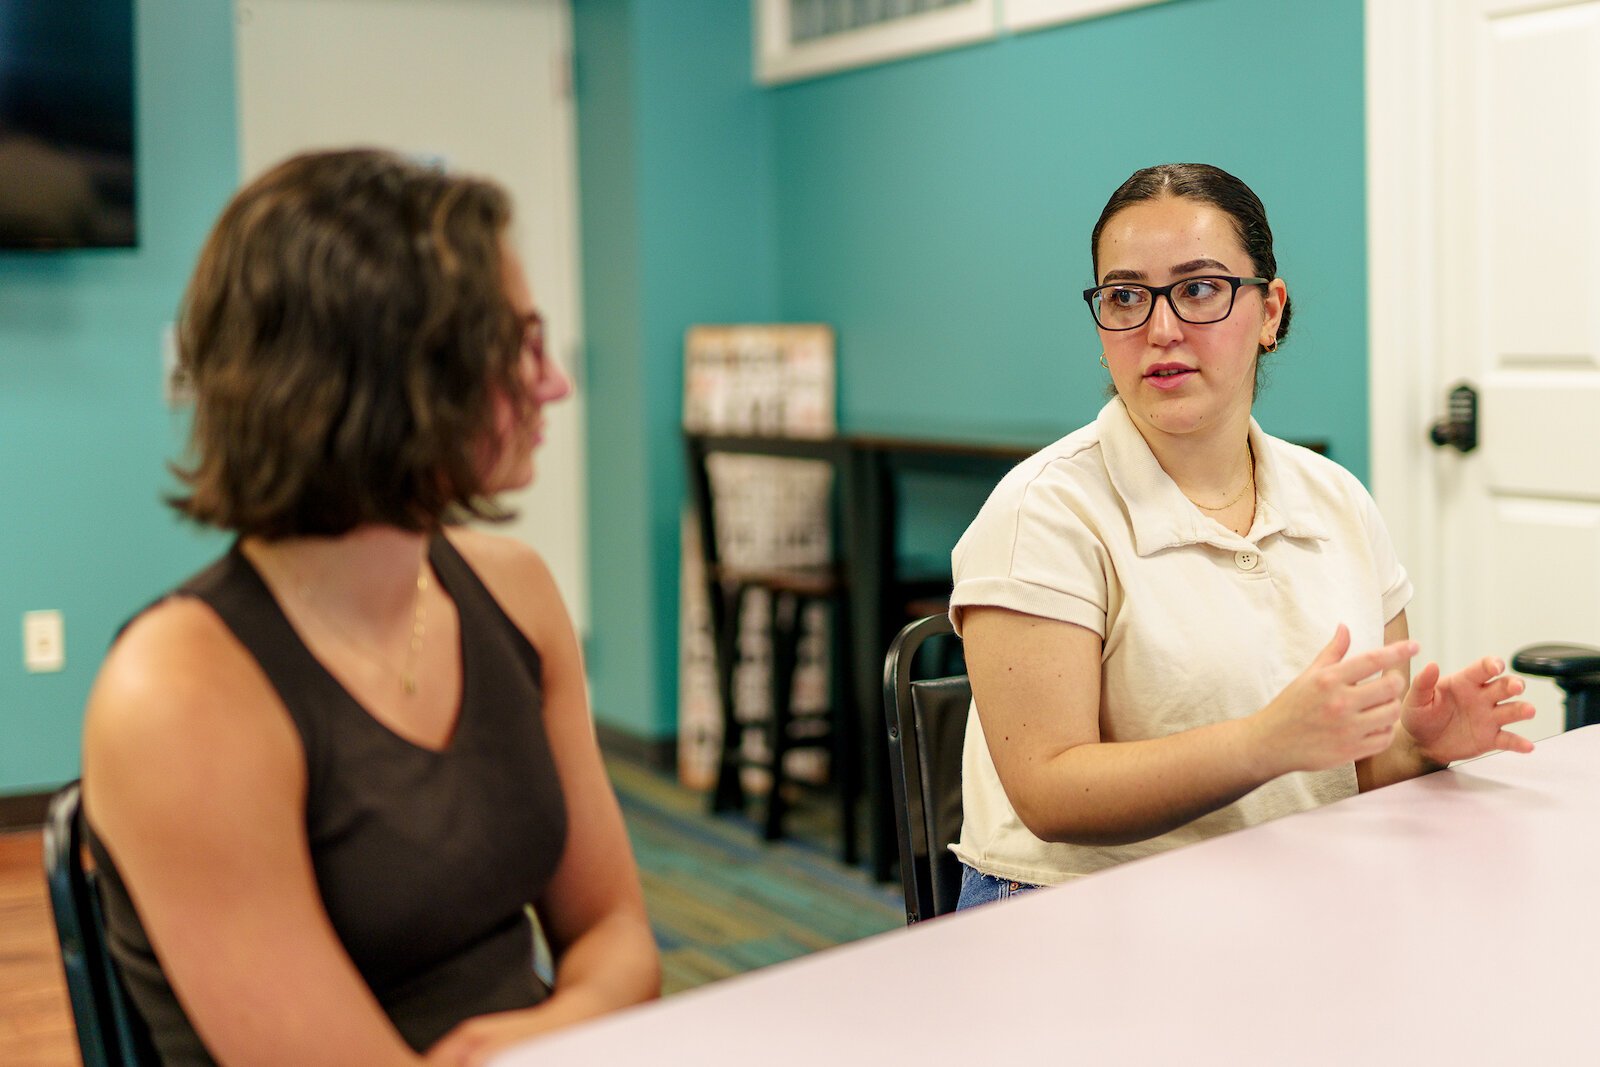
x=66 y=124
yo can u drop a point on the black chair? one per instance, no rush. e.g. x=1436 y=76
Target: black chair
x=927 y=722
x=1575 y=668
x=789 y=590
x=110 y=1030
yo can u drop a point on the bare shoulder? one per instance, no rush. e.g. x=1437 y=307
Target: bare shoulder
x=498 y=558
x=518 y=577
x=181 y=707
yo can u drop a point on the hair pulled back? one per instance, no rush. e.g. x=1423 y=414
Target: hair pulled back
x=1208 y=185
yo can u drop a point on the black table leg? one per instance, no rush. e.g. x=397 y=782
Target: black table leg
x=869 y=536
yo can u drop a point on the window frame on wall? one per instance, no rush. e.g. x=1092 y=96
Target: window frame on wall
x=780 y=59
x=1020 y=15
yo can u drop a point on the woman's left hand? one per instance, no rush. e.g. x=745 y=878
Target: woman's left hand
x=473 y=1042
x=1465 y=714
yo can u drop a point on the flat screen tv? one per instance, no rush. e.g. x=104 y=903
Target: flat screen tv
x=66 y=124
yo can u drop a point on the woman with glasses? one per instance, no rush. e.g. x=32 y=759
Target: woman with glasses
x=1177 y=625
x=329 y=777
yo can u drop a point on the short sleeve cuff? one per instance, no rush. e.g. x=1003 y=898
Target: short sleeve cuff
x=1031 y=599
x=1397 y=596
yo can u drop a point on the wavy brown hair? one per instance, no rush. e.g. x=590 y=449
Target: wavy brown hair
x=345 y=331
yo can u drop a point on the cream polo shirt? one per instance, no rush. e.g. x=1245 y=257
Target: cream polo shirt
x=1199 y=624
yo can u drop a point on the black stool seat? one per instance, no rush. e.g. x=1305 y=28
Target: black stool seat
x=1557 y=661
x=1575 y=668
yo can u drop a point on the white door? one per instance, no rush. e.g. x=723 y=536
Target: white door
x=483 y=86
x=1488 y=162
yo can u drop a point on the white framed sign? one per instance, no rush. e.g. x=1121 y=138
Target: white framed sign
x=805 y=38
x=1035 y=14
x=797 y=39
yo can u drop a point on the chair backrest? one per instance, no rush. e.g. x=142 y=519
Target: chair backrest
x=927 y=722
x=110 y=1031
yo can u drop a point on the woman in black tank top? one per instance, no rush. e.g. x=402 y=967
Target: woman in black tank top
x=330 y=778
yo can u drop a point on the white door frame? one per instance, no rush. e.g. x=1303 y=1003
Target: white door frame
x=1402 y=116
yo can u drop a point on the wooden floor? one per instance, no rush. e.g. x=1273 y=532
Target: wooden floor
x=721 y=902
x=35 y=1023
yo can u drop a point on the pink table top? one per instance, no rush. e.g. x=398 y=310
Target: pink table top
x=1451 y=919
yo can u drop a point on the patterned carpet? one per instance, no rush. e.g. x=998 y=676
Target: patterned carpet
x=723 y=901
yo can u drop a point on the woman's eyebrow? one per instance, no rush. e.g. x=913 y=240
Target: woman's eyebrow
x=1199 y=264
x=1181 y=269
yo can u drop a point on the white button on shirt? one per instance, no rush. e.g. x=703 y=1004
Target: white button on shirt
x=1198 y=624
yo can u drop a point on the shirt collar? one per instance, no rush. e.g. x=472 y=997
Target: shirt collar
x=1162 y=517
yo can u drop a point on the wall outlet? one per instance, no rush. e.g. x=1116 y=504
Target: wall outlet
x=44 y=643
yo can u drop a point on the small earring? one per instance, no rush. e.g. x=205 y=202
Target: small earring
x=1103 y=362
x=1272 y=345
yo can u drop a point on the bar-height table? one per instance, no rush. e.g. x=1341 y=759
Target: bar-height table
x=1449 y=919
x=868 y=467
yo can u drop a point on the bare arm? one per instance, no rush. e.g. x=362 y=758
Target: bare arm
x=593 y=910
x=1448 y=718
x=194 y=781
x=1400 y=760
x=1036 y=684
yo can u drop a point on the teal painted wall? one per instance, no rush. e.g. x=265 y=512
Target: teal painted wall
x=937 y=210
x=84 y=433
x=624 y=632
x=674 y=164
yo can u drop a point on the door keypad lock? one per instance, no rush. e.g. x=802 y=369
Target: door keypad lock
x=1459 y=429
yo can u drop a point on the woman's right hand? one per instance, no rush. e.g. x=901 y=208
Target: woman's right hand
x=1339 y=710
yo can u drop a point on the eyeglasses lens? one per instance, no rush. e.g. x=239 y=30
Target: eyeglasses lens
x=533 y=342
x=1122 y=307
x=1196 y=300
x=1201 y=300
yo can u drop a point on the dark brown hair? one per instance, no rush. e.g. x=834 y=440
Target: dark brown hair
x=1209 y=185
x=345 y=332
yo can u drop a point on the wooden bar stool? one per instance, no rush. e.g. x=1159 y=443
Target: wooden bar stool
x=788 y=593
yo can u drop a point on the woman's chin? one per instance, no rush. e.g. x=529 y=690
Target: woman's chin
x=512 y=476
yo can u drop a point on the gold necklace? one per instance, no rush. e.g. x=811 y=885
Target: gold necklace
x=419 y=623
x=1249 y=483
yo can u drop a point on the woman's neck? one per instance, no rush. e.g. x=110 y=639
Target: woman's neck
x=370 y=571
x=1209 y=464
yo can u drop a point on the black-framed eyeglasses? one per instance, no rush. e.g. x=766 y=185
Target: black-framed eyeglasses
x=533 y=339
x=1197 y=301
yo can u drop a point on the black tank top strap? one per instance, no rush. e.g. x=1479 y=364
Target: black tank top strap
x=235 y=590
x=475 y=601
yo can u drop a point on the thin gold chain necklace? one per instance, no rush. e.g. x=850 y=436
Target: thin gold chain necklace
x=1249 y=483
x=419 y=622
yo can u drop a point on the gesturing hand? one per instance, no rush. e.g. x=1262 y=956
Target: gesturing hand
x=1465 y=715
x=1338 y=711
